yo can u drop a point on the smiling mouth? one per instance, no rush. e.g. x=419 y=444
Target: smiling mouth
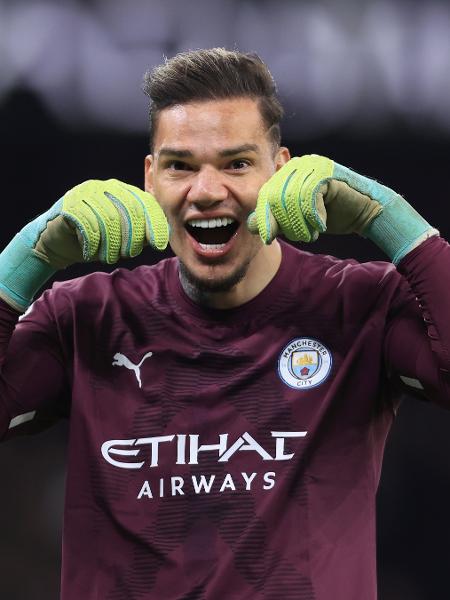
x=212 y=235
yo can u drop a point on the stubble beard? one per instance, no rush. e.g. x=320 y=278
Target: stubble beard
x=201 y=290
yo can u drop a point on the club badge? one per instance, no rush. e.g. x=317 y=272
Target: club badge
x=304 y=363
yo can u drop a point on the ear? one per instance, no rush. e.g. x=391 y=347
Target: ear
x=282 y=156
x=148 y=174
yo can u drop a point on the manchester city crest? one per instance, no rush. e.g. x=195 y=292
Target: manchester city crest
x=304 y=363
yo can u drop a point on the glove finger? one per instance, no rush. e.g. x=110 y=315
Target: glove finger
x=268 y=206
x=314 y=234
x=320 y=171
x=252 y=223
x=292 y=200
x=262 y=221
x=132 y=218
x=83 y=218
x=313 y=206
x=317 y=215
x=108 y=219
x=156 y=224
x=278 y=197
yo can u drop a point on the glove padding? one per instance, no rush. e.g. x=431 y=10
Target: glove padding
x=99 y=220
x=305 y=200
x=96 y=220
x=313 y=194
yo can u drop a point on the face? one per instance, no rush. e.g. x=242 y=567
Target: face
x=209 y=161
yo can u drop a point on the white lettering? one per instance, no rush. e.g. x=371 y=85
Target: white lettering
x=206 y=484
x=181 y=449
x=245 y=442
x=195 y=448
x=198 y=485
x=279 y=443
x=269 y=478
x=227 y=483
x=248 y=480
x=146 y=490
x=107 y=450
x=177 y=484
x=239 y=445
x=154 y=443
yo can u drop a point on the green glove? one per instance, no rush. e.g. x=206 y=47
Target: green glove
x=96 y=220
x=313 y=194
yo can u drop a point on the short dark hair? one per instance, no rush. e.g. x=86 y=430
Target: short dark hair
x=213 y=74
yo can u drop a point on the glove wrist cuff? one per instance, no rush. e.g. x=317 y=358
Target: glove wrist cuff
x=22 y=273
x=398 y=229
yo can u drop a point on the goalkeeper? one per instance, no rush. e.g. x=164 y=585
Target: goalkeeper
x=229 y=406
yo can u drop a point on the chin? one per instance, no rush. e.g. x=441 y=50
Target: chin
x=217 y=284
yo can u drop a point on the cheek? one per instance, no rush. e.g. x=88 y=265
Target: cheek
x=165 y=199
x=254 y=185
x=170 y=195
x=250 y=197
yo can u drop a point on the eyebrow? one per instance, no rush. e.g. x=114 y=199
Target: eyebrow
x=167 y=151
x=174 y=152
x=239 y=150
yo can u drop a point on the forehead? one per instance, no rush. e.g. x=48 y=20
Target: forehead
x=211 y=123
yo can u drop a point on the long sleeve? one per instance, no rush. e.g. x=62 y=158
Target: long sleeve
x=417 y=344
x=8 y=321
x=33 y=382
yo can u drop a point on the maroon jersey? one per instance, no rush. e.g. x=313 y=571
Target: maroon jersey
x=227 y=453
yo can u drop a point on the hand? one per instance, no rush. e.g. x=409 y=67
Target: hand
x=313 y=194
x=99 y=220
x=306 y=199
x=96 y=220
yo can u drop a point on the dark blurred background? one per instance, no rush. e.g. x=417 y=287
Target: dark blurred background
x=366 y=83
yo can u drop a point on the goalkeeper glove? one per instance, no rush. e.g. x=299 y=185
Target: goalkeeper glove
x=313 y=194
x=96 y=220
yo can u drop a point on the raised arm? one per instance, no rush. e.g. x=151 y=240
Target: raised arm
x=311 y=195
x=96 y=220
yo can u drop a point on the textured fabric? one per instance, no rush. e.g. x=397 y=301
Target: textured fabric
x=312 y=194
x=116 y=228
x=399 y=227
x=290 y=195
x=22 y=273
x=96 y=220
x=228 y=454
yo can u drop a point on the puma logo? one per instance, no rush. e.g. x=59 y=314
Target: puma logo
x=120 y=360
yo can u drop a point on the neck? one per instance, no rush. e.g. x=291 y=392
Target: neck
x=260 y=272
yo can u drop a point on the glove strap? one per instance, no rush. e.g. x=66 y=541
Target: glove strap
x=22 y=273
x=398 y=229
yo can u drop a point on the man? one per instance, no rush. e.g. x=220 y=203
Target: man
x=228 y=407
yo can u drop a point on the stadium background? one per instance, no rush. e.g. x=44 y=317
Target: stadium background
x=366 y=83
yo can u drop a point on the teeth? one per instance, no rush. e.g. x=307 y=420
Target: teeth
x=211 y=223
x=212 y=246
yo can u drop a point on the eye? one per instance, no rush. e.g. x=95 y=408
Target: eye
x=177 y=165
x=239 y=164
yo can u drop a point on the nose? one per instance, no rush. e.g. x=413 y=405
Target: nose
x=207 y=188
